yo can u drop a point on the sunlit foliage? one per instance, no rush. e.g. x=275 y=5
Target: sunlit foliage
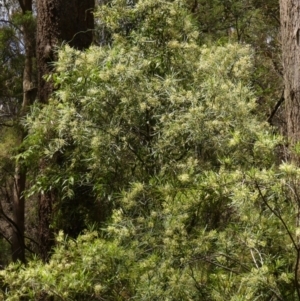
x=164 y=129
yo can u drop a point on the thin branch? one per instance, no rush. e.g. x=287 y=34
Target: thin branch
x=206 y=259
x=253 y=257
x=277 y=215
x=236 y=261
x=6 y=238
x=32 y=240
x=289 y=234
x=15 y=226
x=274 y=17
x=136 y=154
x=10 y=23
x=7 y=125
x=198 y=287
x=277 y=106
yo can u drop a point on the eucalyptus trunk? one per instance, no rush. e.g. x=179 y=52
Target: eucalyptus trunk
x=59 y=21
x=290 y=38
x=290 y=35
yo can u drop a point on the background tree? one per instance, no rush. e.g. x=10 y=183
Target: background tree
x=290 y=34
x=18 y=30
x=19 y=24
x=27 y=23
x=289 y=11
x=256 y=23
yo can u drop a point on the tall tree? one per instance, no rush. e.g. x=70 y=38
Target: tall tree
x=290 y=33
x=58 y=22
x=19 y=26
x=29 y=94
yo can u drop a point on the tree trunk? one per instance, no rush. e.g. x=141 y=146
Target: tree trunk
x=58 y=22
x=290 y=35
x=290 y=38
x=18 y=243
x=29 y=94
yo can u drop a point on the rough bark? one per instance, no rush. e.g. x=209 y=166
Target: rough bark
x=290 y=36
x=46 y=235
x=29 y=93
x=18 y=243
x=59 y=21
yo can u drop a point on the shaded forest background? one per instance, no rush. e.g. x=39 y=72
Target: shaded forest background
x=146 y=153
